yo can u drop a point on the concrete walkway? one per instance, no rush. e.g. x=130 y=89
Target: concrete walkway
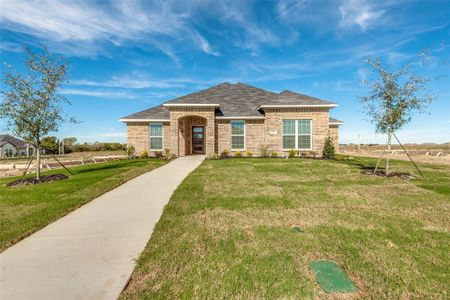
x=91 y=252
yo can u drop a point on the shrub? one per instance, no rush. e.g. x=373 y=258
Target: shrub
x=292 y=153
x=249 y=153
x=328 y=149
x=238 y=154
x=264 y=150
x=167 y=155
x=213 y=156
x=274 y=154
x=225 y=153
x=144 y=154
x=159 y=154
x=131 y=151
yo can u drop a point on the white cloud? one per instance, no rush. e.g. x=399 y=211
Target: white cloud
x=206 y=47
x=100 y=93
x=338 y=86
x=251 y=33
x=119 y=94
x=10 y=47
x=130 y=81
x=359 y=13
x=77 y=27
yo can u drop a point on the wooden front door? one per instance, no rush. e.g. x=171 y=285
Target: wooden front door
x=198 y=140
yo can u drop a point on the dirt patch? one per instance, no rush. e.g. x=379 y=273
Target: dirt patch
x=44 y=178
x=401 y=175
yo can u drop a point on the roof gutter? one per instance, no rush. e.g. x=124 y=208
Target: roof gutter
x=297 y=105
x=143 y=120
x=191 y=105
x=242 y=118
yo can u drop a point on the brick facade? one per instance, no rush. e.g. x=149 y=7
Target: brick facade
x=254 y=135
x=177 y=133
x=274 y=126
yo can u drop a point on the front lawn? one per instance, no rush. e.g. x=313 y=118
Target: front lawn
x=228 y=232
x=26 y=209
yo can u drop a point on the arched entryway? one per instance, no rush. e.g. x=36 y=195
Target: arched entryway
x=192 y=135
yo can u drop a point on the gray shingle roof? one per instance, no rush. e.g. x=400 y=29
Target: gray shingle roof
x=235 y=100
x=6 y=138
x=333 y=120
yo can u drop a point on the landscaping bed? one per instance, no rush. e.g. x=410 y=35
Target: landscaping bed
x=33 y=180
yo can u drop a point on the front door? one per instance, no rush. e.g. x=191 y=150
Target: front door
x=198 y=140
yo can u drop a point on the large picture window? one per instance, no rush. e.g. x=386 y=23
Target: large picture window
x=297 y=134
x=156 y=136
x=237 y=135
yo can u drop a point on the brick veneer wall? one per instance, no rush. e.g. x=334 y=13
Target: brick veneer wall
x=254 y=135
x=178 y=120
x=218 y=132
x=274 y=126
x=138 y=135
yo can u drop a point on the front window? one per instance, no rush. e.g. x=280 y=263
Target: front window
x=297 y=134
x=237 y=135
x=156 y=136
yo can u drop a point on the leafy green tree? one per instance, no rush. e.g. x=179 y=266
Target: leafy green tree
x=69 y=144
x=394 y=97
x=31 y=104
x=50 y=144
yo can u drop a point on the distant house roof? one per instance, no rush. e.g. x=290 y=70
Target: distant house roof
x=233 y=100
x=6 y=138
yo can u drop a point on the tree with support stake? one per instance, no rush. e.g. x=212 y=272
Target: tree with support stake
x=394 y=97
x=32 y=105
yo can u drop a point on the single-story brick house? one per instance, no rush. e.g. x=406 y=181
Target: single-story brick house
x=234 y=117
x=11 y=146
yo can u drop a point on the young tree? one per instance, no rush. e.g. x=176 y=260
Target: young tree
x=394 y=97
x=32 y=105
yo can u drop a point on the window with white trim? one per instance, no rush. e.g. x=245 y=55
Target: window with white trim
x=156 y=136
x=297 y=134
x=237 y=135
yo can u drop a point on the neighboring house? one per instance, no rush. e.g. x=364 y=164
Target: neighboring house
x=235 y=117
x=11 y=146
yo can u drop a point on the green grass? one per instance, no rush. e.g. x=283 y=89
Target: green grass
x=26 y=209
x=228 y=232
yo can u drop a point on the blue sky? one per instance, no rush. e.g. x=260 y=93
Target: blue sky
x=126 y=56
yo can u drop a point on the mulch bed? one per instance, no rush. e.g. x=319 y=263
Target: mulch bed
x=32 y=180
x=380 y=173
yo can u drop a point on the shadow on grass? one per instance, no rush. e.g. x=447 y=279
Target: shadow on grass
x=98 y=168
x=364 y=166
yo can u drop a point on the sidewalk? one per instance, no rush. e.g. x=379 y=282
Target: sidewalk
x=91 y=252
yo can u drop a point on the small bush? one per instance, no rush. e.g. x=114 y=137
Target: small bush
x=213 y=156
x=328 y=149
x=249 y=153
x=274 y=154
x=292 y=153
x=238 y=154
x=131 y=151
x=144 y=154
x=225 y=153
x=159 y=154
x=264 y=150
x=167 y=155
